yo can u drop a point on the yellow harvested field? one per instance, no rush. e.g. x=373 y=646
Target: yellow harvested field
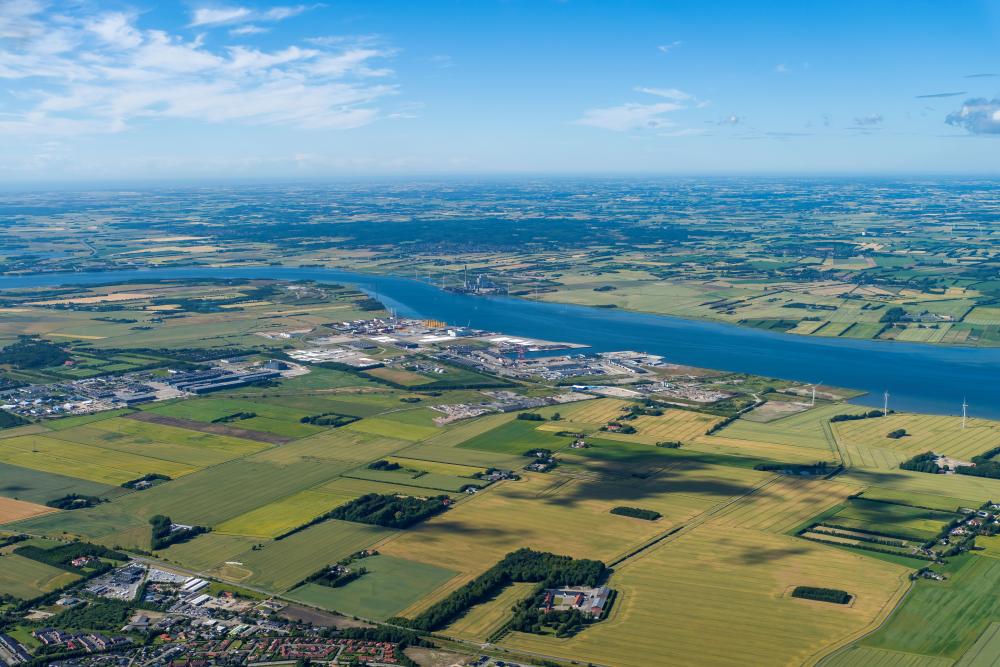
x=866 y=444
x=597 y=412
x=683 y=425
x=784 y=504
x=52 y=334
x=978 y=489
x=721 y=598
x=15 y=510
x=84 y=461
x=486 y=618
x=755 y=448
x=565 y=515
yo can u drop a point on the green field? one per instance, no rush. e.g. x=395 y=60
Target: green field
x=285 y=514
x=420 y=480
x=25 y=578
x=281 y=565
x=865 y=656
x=515 y=437
x=97 y=464
x=986 y=651
x=945 y=618
x=272 y=418
x=899 y=520
x=40 y=487
x=391 y=585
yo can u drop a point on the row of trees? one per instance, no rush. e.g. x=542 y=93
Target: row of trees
x=871 y=414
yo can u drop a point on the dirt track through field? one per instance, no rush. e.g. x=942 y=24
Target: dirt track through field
x=216 y=429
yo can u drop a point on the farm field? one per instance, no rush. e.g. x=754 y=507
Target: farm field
x=805 y=429
x=865 y=656
x=432 y=481
x=283 y=515
x=280 y=565
x=986 y=651
x=37 y=486
x=280 y=420
x=25 y=578
x=96 y=464
x=208 y=551
x=731 y=586
x=784 y=504
x=391 y=428
x=15 y=510
x=341 y=448
x=565 y=515
x=944 y=619
x=436 y=467
x=391 y=585
x=486 y=618
x=515 y=437
x=977 y=489
x=890 y=518
x=683 y=425
x=158 y=441
x=400 y=376
x=868 y=445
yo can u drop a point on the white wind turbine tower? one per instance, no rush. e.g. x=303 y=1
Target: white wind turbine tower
x=814 y=392
x=965 y=408
x=885 y=404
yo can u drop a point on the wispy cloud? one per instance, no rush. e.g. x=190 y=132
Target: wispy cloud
x=667 y=48
x=103 y=72
x=781 y=68
x=938 y=95
x=213 y=16
x=630 y=116
x=668 y=93
x=977 y=115
x=981 y=75
x=731 y=119
x=637 y=116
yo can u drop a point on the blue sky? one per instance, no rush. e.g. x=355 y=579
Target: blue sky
x=165 y=90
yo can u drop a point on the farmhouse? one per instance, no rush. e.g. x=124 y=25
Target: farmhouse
x=590 y=601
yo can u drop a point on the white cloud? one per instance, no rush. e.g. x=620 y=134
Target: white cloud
x=249 y=29
x=630 y=116
x=668 y=93
x=978 y=115
x=667 y=48
x=220 y=16
x=636 y=116
x=781 y=68
x=209 y=16
x=83 y=74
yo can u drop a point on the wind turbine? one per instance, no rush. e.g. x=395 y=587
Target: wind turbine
x=814 y=392
x=965 y=408
x=885 y=404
